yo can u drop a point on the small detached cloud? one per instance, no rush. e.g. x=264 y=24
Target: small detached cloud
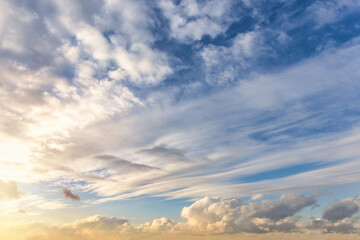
x=68 y=194
x=257 y=196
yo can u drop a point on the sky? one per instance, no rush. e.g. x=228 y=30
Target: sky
x=186 y=119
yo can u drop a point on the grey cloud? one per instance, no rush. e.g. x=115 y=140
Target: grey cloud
x=231 y=215
x=341 y=226
x=9 y=190
x=124 y=165
x=285 y=206
x=341 y=209
x=338 y=217
x=167 y=154
x=265 y=225
x=68 y=194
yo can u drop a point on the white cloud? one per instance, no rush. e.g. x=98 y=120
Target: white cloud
x=224 y=64
x=81 y=33
x=329 y=12
x=191 y=20
x=213 y=215
x=257 y=196
x=157 y=226
x=231 y=215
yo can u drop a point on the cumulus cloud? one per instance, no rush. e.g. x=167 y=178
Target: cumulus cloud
x=191 y=20
x=209 y=216
x=93 y=227
x=9 y=190
x=341 y=209
x=225 y=64
x=68 y=194
x=76 y=42
x=339 y=217
x=213 y=214
x=285 y=206
x=347 y=225
x=231 y=215
x=257 y=196
x=157 y=225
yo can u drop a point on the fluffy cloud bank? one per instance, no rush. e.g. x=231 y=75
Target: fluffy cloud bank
x=231 y=215
x=211 y=216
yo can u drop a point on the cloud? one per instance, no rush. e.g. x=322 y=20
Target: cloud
x=190 y=20
x=339 y=217
x=285 y=206
x=9 y=190
x=231 y=215
x=93 y=227
x=124 y=166
x=166 y=154
x=213 y=214
x=68 y=194
x=341 y=209
x=157 y=226
x=257 y=196
x=75 y=98
x=329 y=12
x=225 y=64
x=209 y=216
x=344 y=226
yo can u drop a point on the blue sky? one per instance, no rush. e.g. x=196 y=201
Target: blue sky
x=150 y=109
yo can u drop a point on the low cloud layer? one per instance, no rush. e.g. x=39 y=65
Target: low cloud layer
x=232 y=215
x=210 y=217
